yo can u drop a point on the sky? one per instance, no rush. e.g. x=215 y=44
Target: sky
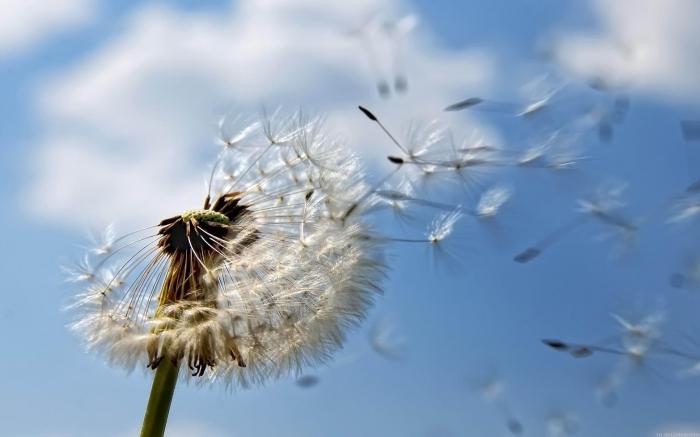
x=109 y=114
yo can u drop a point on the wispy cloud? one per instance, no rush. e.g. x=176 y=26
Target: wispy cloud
x=26 y=22
x=649 y=45
x=125 y=125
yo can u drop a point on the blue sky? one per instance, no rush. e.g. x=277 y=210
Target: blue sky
x=109 y=113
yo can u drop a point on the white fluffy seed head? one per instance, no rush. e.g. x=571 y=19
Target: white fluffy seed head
x=269 y=290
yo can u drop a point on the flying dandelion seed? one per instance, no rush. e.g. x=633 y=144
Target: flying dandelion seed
x=576 y=350
x=604 y=206
x=690 y=129
x=640 y=347
x=646 y=330
x=442 y=226
x=382 y=41
x=485 y=105
x=261 y=281
x=685 y=210
x=422 y=139
x=398 y=199
x=384 y=340
x=464 y=104
x=606 y=116
x=538 y=95
x=514 y=426
x=492 y=391
x=425 y=154
x=307 y=381
x=492 y=201
x=80 y=271
x=557 y=148
x=562 y=424
x=103 y=242
x=691 y=360
x=689 y=278
x=635 y=339
x=606 y=390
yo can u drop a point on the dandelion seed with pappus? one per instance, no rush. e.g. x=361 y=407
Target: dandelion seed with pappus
x=262 y=280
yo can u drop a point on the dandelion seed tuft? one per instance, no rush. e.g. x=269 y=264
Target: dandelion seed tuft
x=262 y=281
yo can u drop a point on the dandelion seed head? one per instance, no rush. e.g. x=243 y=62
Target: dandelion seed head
x=264 y=280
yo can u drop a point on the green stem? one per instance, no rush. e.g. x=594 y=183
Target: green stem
x=159 y=401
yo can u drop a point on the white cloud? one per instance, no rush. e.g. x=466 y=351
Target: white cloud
x=25 y=22
x=128 y=129
x=649 y=45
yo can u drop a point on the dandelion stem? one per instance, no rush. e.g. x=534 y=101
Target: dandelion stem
x=159 y=400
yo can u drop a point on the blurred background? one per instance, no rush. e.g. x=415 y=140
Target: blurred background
x=109 y=114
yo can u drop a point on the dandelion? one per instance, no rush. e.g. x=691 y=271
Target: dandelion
x=261 y=281
x=492 y=390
